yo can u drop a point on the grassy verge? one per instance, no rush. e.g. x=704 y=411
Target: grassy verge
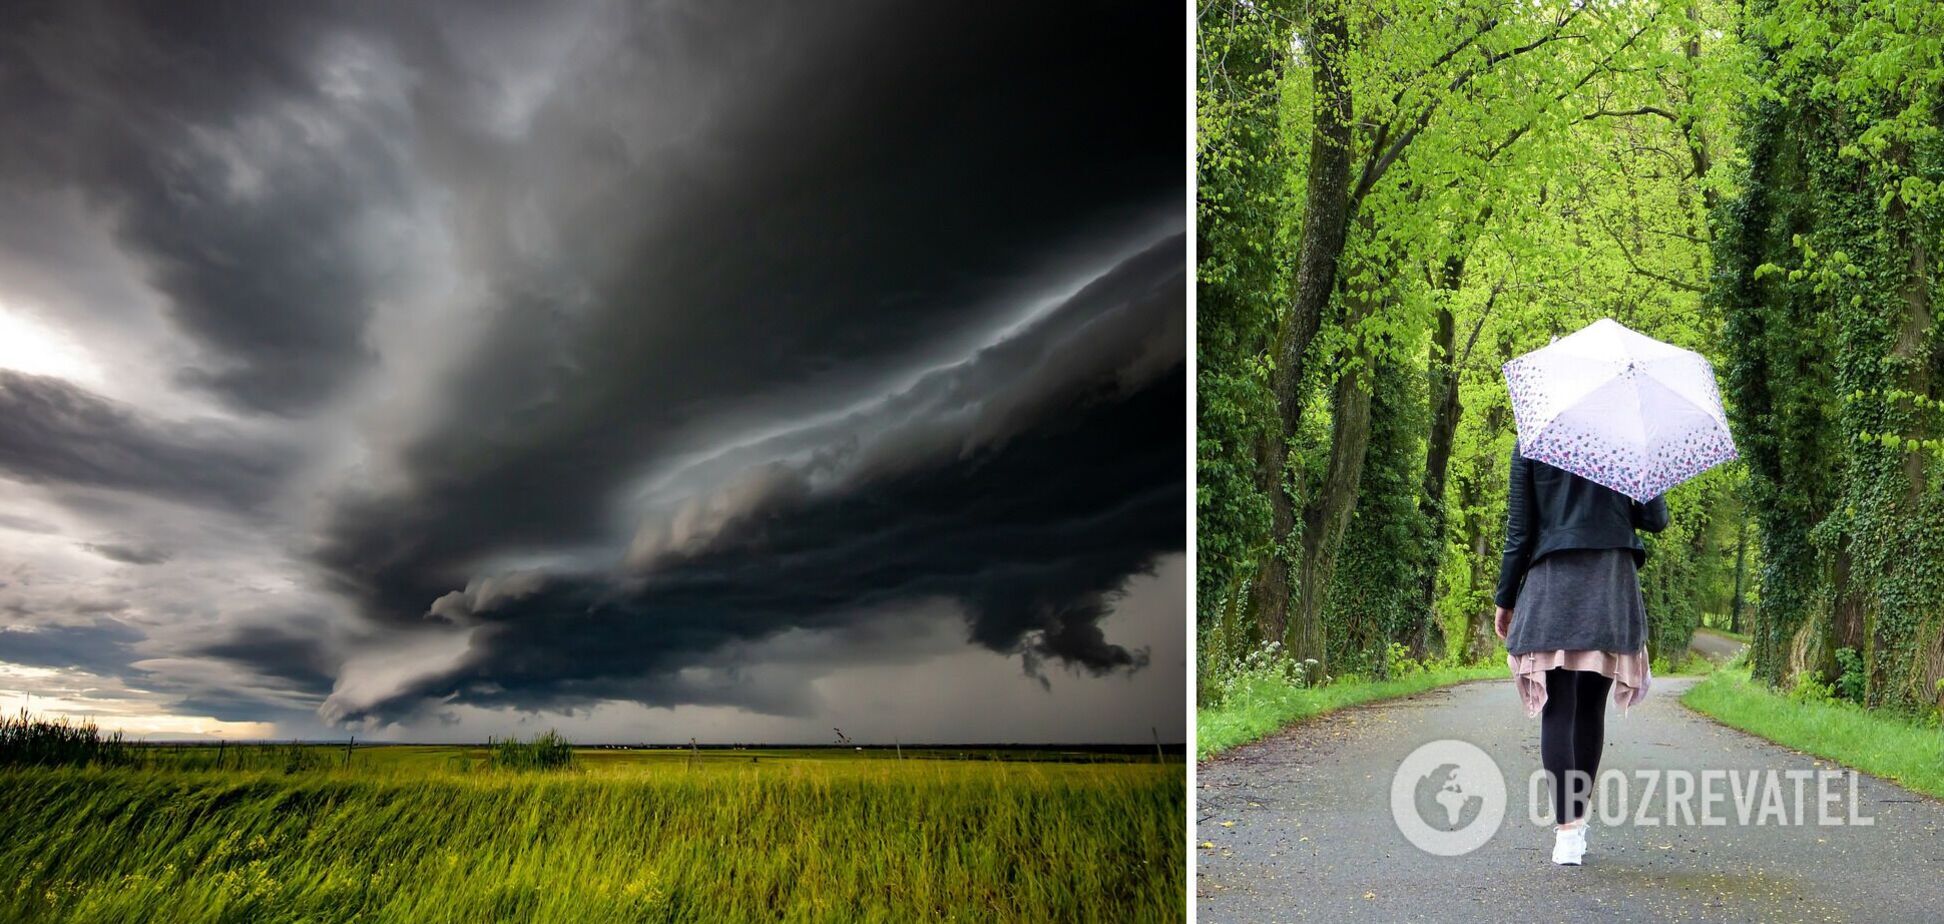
x=1260 y=707
x=1882 y=744
x=1688 y=664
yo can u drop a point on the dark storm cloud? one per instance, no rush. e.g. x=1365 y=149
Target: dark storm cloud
x=103 y=647
x=1025 y=484
x=877 y=193
x=276 y=651
x=53 y=432
x=1033 y=539
x=113 y=651
x=235 y=175
x=622 y=340
x=1124 y=327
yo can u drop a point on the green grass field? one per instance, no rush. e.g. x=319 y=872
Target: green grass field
x=1264 y=706
x=409 y=833
x=1881 y=743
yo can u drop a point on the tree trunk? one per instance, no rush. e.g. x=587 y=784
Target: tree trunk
x=1846 y=626
x=1443 y=376
x=1480 y=638
x=1697 y=143
x=1325 y=517
x=1328 y=512
x=1326 y=219
x=1911 y=354
x=1741 y=574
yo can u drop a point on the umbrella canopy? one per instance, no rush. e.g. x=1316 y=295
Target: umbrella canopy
x=1619 y=408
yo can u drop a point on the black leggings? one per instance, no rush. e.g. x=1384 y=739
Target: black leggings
x=1572 y=729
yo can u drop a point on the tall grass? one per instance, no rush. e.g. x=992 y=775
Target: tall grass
x=639 y=836
x=548 y=751
x=30 y=741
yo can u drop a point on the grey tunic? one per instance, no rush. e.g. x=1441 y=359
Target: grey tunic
x=1580 y=599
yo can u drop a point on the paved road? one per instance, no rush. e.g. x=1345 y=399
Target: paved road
x=1712 y=646
x=1313 y=840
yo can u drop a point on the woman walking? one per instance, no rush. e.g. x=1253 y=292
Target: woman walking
x=1569 y=573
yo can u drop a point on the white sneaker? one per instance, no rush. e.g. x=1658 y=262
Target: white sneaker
x=1569 y=845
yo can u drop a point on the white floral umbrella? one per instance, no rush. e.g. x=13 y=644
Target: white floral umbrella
x=1619 y=408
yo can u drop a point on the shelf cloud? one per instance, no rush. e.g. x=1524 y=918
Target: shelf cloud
x=423 y=368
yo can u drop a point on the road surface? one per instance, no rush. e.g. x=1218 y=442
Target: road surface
x=1298 y=828
x=1713 y=646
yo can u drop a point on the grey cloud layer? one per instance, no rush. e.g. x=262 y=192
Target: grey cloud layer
x=54 y=432
x=250 y=191
x=619 y=340
x=1030 y=529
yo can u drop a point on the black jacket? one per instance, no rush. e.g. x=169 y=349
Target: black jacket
x=1549 y=509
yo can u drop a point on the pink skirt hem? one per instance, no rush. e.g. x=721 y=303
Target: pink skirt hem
x=1630 y=674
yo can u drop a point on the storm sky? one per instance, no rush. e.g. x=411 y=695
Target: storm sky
x=645 y=371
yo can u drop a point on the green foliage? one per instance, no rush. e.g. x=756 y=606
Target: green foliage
x=1809 y=688
x=1232 y=681
x=1265 y=704
x=1242 y=188
x=545 y=751
x=1827 y=290
x=31 y=741
x=1689 y=569
x=1399 y=663
x=1519 y=172
x=1759 y=184
x=1850 y=679
x=1683 y=664
x=1374 y=597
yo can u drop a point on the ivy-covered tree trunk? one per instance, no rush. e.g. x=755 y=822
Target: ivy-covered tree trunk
x=1242 y=51
x=1328 y=510
x=1826 y=284
x=1777 y=382
x=1741 y=575
x=1325 y=225
x=1373 y=600
x=1442 y=385
x=1907 y=526
x=1483 y=534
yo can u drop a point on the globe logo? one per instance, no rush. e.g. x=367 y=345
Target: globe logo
x=1448 y=797
x=1448 y=790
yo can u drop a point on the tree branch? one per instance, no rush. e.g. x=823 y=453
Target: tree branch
x=1622 y=113
x=1650 y=274
x=1378 y=162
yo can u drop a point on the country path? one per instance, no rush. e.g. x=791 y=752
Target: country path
x=1713 y=645
x=1312 y=837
